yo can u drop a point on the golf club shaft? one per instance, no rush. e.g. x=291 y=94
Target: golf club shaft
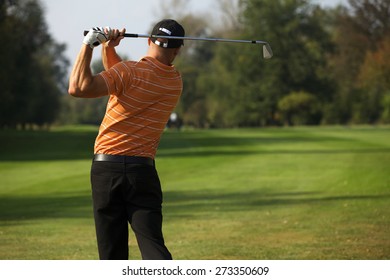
x=131 y=35
x=267 y=51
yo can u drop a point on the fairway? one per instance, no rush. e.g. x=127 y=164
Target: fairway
x=272 y=193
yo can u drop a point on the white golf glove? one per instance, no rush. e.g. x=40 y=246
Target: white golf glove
x=97 y=36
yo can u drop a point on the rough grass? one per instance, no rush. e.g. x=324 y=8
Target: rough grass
x=277 y=193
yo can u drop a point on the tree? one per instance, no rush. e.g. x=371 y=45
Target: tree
x=33 y=66
x=299 y=108
x=252 y=87
x=374 y=83
x=385 y=116
x=360 y=33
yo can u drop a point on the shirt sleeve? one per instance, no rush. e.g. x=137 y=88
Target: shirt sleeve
x=117 y=78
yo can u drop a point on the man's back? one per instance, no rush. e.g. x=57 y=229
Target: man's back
x=143 y=95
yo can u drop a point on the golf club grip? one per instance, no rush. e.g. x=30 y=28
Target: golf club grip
x=124 y=35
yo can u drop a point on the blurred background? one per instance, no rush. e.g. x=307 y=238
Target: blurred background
x=331 y=61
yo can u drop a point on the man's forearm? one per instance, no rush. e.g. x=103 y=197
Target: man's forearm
x=82 y=83
x=81 y=74
x=109 y=56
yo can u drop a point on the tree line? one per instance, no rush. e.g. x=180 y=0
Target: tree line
x=330 y=66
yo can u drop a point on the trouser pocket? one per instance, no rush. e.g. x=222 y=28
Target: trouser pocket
x=101 y=190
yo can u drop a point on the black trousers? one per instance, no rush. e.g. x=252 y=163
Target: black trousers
x=127 y=193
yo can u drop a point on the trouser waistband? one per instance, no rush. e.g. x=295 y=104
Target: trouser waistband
x=124 y=159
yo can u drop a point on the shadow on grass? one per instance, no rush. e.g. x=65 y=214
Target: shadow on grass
x=46 y=145
x=75 y=145
x=176 y=204
x=23 y=208
x=239 y=152
x=186 y=204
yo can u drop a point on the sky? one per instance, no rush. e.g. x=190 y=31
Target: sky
x=67 y=19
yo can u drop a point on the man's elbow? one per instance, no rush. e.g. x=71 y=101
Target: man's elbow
x=85 y=92
x=78 y=86
x=78 y=90
x=75 y=92
x=87 y=89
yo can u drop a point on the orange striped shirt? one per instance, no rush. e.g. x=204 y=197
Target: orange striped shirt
x=142 y=96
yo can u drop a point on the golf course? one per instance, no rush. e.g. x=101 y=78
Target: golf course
x=320 y=193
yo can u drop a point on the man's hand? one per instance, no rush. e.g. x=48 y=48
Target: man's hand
x=116 y=36
x=97 y=36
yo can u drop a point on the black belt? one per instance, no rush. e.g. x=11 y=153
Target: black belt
x=124 y=159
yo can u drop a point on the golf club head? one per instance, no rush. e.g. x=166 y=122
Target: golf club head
x=267 y=51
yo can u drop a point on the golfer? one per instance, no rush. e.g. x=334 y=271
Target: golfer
x=125 y=184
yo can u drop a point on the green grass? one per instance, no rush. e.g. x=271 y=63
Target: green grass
x=275 y=193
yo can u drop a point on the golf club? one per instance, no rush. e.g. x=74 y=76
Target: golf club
x=267 y=51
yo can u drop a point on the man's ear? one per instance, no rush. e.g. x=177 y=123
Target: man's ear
x=149 y=41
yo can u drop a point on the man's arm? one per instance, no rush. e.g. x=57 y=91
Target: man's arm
x=82 y=83
x=109 y=55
